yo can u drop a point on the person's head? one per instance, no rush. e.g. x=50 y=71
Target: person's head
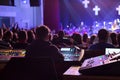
x=1 y=33
x=8 y=35
x=103 y=35
x=15 y=37
x=42 y=33
x=61 y=34
x=85 y=37
x=31 y=36
x=113 y=37
x=77 y=38
x=92 y=38
x=118 y=39
x=22 y=36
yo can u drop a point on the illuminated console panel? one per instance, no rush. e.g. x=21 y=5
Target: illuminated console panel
x=101 y=65
x=71 y=53
x=93 y=62
x=100 y=60
x=7 y=54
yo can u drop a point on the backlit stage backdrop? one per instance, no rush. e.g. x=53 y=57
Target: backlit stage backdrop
x=90 y=15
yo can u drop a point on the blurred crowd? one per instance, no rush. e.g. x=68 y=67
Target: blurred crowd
x=16 y=38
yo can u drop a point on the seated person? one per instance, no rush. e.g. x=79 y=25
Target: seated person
x=41 y=47
x=22 y=40
x=4 y=44
x=61 y=40
x=102 y=41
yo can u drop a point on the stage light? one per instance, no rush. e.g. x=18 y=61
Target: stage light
x=118 y=9
x=96 y=9
x=67 y=26
x=118 y=20
x=82 y=23
x=110 y=22
x=86 y=2
x=97 y=25
x=24 y=1
x=104 y=23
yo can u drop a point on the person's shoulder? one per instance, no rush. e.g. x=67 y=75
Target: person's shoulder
x=110 y=45
x=53 y=46
x=93 y=46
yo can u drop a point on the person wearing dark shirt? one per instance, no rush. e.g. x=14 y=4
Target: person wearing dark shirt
x=61 y=40
x=4 y=44
x=102 y=43
x=22 y=40
x=41 y=47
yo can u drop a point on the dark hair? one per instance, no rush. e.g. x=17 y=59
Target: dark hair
x=61 y=34
x=8 y=35
x=42 y=32
x=31 y=36
x=118 y=39
x=22 y=35
x=113 y=37
x=15 y=37
x=103 y=34
x=85 y=37
x=1 y=32
x=92 y=38
x=77 y=38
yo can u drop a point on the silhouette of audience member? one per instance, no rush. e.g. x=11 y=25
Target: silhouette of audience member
x=102 y=42
x=77 y=39
x=4 y=44
x=113 y=37
x=61 y=40
x=118 y=40
x=85 y=40
x=15 y=28
x=15 y=38
x=92 y=38
x=4 y=27
x=31 y=36
x=54 y=39
x=22 y=40
x=41 y=47
x=8 y=36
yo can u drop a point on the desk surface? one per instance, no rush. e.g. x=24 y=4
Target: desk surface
x=73 y=74
x=73 y=70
